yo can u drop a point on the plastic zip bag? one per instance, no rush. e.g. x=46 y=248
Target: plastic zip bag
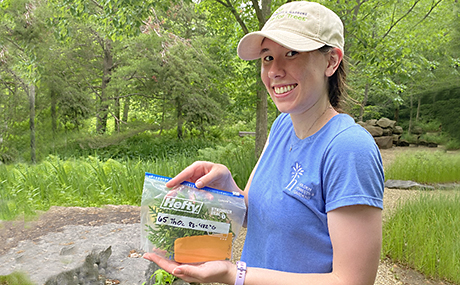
x=188 y=224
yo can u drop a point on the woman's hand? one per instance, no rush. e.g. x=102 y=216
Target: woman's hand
x=212 y=271
x=204 y=173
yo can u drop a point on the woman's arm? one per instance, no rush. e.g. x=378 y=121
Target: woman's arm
x=356 y=235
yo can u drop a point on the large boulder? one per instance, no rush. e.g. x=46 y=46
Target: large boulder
x=384 y=142
x=386 y=123
x=373 y=130
x=372 y=122
x=387 y=132
x=398 y=130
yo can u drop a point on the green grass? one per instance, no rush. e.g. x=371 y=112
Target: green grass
x=93 y=182
x=425 y=167
x=425 y=235
x=15 y=278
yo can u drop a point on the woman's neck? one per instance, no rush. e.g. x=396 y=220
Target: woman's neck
x=311 y=121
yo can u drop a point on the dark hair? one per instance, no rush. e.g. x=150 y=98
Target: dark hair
x=337 y=87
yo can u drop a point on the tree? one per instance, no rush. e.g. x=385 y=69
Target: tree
x=21 y=34
x=108 y=22
x=384 y=41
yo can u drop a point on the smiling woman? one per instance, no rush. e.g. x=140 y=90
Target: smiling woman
x=318 y=185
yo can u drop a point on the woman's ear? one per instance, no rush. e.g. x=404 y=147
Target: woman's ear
x=334 y=58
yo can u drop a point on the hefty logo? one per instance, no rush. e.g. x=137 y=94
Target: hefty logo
x=183 y=205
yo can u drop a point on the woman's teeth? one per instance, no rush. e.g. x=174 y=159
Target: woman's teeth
x=284 y=89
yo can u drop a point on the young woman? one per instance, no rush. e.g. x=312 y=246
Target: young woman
x=315 y=197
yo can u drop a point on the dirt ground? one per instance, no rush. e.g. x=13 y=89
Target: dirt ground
x=11 y=233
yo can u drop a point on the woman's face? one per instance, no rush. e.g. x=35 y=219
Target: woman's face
x=294 y=80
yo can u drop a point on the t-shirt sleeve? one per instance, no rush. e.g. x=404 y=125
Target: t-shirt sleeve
x=353 y=171
x=275 y=128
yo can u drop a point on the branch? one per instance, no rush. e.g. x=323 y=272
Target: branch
x=134 y=94
x=97 y=4
x=259 y=15
x=397 y=21
x=232 y=9
x=427 y=14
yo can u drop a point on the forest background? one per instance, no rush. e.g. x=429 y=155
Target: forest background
x=93 y=77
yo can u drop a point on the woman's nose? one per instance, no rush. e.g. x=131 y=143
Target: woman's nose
x=276 y=70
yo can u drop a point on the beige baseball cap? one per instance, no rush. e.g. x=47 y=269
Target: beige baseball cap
x=299 y=26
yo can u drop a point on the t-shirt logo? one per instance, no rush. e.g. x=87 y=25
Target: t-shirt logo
x=297 y=188
x=296 y=172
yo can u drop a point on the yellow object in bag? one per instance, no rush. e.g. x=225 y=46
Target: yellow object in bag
x=203 y=248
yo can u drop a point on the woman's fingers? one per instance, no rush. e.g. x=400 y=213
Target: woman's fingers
x=190 y=173
x=202 y=173
x=164 y=263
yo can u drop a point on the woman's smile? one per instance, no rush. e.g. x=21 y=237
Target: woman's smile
x=280 y=90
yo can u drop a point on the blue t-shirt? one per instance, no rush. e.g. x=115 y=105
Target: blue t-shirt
x=292 y=191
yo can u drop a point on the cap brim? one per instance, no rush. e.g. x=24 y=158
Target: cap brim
x=249 y=47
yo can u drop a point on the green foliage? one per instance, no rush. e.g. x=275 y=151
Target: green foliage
x=117 y=19
x=425 y=167
x=238 y=156
x=423 y=234
x=444 y=105
x=137 y=143
x=15 y=278
x=90 y=181
x=163 y=236
x=162 y=277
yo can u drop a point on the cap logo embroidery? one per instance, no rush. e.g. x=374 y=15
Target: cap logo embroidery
x=297 y=15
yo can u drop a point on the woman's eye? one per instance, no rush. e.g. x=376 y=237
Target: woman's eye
x=268 y=58
x=291 y=53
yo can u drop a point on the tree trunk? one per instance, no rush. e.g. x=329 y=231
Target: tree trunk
x=180 y=122
x=410 y=116
x=53 y=98
x=117 y=114
x=32 y=122
x=262 y=102
x=126 y=109
x=103 y=109
x=418 y=108
x=262 y=12
x=364 y=102
x=261 y=116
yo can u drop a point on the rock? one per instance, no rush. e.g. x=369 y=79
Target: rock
x=180 y=282
x=398 y=130
x=403 y=143
x=432 y=144
x=88 y=273
x=384 y=142
x=387 y=132
x=386 y=123
x=371 y=122
x=406 y=184
x=374 y=131
x=396 y=139
x=150 y=279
